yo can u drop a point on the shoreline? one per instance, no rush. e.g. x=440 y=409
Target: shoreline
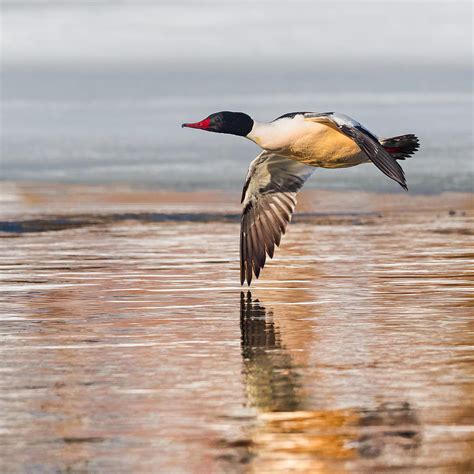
x=20 y=200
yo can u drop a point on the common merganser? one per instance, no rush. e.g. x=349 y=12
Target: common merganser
x=293 y=146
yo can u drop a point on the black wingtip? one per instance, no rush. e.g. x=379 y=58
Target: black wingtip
x=402 y=182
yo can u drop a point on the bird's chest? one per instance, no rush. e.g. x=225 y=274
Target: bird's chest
x=327 y=148
x=309 y=142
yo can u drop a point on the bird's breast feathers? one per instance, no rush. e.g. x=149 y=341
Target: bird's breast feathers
x=309 y=142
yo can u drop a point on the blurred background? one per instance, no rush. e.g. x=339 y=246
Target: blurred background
x=94 y=91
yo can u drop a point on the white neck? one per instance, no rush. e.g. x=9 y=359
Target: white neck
x=278 y=135
x=260 y=132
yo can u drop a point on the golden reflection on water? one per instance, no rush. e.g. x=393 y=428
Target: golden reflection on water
x=290 y=438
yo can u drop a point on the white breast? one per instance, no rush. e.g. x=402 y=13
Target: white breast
x=281 y=134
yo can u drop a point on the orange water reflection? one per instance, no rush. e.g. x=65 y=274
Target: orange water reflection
x=290 y=436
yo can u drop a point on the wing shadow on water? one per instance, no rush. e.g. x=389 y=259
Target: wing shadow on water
x=288 y=431
x=271 y=380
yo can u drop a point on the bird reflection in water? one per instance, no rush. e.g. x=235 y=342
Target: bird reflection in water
x=289 y=436
x=271 y=380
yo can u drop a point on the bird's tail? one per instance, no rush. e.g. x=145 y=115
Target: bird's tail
x=401 y=147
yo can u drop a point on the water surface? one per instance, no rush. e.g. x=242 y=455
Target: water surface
x=127 y=344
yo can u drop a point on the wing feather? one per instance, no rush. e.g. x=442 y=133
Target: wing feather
x=366 y=141
x=269 y=199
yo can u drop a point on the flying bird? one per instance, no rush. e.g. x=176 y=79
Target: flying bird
x=293 y=146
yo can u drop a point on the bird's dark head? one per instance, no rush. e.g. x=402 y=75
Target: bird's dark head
x=235 y=123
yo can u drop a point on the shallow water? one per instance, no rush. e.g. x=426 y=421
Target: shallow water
x=129 y=345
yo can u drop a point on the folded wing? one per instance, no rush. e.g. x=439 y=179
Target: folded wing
x=269 y=199
x=366 y=141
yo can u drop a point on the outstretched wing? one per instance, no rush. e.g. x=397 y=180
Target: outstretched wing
x=268 y=198
x=366 y=141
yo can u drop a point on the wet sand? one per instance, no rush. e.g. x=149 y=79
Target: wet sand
x=128 y=344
